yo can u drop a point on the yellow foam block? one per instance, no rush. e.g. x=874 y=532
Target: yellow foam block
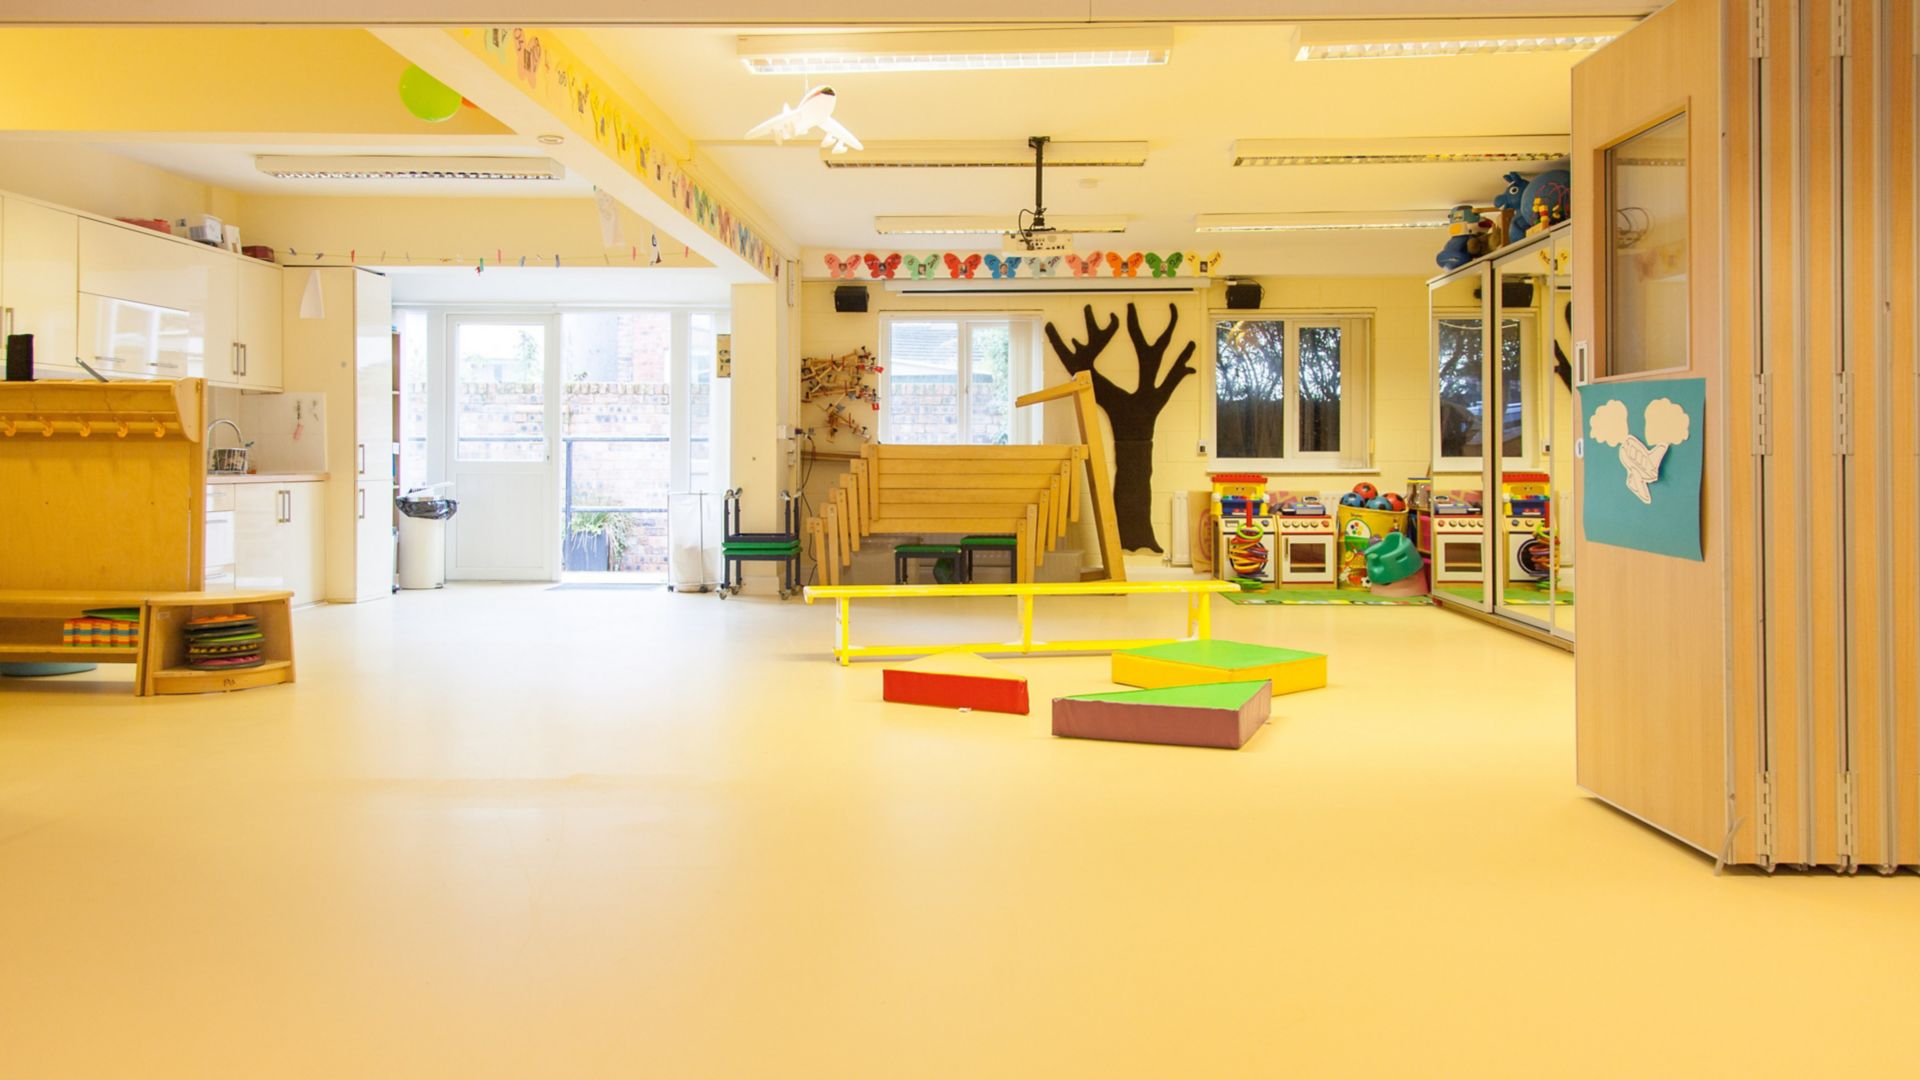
x=1196 y=663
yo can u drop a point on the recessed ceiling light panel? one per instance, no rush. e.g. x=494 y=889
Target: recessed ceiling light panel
x=988 y=155
x=1415 y=39
x=987 y=225
x=1326 y=221
x=953 y=50
x=1492 y=149
x=396 y=167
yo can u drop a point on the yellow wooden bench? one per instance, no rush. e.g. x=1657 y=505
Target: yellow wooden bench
x=1199 y=613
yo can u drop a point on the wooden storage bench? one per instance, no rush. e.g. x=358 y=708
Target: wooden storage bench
x=31 y=620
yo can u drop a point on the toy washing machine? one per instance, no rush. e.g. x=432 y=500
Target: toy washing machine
x=1308 y=550
x=1529 y=549
x=1246 y=549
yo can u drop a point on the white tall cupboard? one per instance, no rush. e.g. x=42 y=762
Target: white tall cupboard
x=39 y=275
x=347 y=354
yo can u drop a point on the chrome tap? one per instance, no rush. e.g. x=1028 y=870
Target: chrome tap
x=213 y=454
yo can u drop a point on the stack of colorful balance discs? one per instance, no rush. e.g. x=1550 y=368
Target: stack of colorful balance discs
x=221 y=642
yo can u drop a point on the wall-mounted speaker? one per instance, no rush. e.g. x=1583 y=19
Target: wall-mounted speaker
x=1244 y=295
x=850 y=298
x=19 y=357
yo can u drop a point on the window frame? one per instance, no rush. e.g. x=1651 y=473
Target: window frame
x=1352 y=352
x=1022 y=358
x=1530 y=353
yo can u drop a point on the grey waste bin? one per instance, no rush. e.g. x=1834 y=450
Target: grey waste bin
x=423 y=540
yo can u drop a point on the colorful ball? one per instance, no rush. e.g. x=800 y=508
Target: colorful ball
x=1378 y=503
x=426 y=97
x=1394 y=502
x=1365 y=490
x=1353 y=498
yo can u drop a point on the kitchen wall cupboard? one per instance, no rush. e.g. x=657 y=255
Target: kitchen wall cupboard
x=1760 y=704
x=162 y=307
x=347 y=354
x=39 y=268
x=279 y=537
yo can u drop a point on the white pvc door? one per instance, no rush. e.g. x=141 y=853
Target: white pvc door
x=504 y=420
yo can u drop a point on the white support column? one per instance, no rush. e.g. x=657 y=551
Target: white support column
x=760 y=424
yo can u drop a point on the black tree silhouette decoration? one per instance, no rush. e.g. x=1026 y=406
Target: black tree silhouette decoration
x=1132 y=413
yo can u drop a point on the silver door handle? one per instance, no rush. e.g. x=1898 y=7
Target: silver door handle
x=286 y=505
x=363 y=502
x=243 y=358
x=6 y=322
x=361 y=450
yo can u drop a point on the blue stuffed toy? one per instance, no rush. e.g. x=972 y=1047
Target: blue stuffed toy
x=1466 y=237
x=1552 y=189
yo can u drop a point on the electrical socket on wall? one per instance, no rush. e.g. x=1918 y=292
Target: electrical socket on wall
x=1201 y=448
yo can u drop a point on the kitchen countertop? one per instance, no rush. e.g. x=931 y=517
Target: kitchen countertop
x=265 y=478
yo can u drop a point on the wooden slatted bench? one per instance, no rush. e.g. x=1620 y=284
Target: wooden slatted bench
x=1199 y=613
x=1029 y=492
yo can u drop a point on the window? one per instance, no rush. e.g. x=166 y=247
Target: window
x=1459 y=427
x=952 y=381
x=1291 y=389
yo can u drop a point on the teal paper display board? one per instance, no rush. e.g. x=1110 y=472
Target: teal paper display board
x=1644 y=450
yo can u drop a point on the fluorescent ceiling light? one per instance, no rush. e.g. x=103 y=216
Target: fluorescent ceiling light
x=1327 y=221
x=988 y=155
x=1430 y=38
x=1491 y=149
x=1400 y=50
x=953 y=50
x=391 y=167
x=987 y=225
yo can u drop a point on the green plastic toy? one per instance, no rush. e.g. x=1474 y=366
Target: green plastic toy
x=1393 y=558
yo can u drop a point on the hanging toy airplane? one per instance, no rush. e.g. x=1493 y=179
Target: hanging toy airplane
x=814 y=111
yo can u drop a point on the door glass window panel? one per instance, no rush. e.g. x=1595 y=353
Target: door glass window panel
x=1318 y=382
x=1513 y=412
x=1462 y=397
x=499 y=376
x=1250 y=388
x=1647 y=260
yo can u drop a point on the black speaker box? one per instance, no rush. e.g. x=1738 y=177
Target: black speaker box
x=1243 y=295
x=19 y=357
x=851 y=298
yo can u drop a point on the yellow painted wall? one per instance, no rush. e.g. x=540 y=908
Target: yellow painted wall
x=209 y=80
x=1402 y=425
x=85 y=178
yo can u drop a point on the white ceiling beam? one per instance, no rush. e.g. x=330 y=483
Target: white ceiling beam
x=548 y=116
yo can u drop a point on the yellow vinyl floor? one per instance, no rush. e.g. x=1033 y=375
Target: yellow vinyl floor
x=497 y=831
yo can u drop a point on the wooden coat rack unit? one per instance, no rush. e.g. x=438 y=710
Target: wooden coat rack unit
x=103 y=505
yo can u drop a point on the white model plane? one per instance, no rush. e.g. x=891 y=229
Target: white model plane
x=815 y=111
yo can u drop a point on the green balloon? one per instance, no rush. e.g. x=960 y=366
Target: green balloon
x=427 y=97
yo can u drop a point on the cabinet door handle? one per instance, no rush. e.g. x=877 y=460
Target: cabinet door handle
x=243 y=359
x=233 y=359
x=285 y=500
x=363 y=502
x=361 y=450
x=6 y=322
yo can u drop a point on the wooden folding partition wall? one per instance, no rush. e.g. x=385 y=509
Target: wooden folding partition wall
x=1786 y=730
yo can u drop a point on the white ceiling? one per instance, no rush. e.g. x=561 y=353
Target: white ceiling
x=229 y=164
x=1224 y=82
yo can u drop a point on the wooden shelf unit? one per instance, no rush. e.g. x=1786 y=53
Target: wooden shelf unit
x=31 y=623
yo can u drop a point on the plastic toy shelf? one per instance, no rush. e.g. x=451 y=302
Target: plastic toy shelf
x=1199 y=613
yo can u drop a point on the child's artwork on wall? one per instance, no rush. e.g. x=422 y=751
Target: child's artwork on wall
x=1643 y=460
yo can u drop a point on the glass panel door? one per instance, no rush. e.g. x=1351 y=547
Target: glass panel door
x=617 y=416
x=1523 y=517
x=1460 y=543
x=1564 y=434
x=502 y=424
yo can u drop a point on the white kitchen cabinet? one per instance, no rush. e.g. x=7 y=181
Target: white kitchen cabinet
x=257 y=325
x=39 y=275
x=279 y=538
x=348 y=356
x=158 y=274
